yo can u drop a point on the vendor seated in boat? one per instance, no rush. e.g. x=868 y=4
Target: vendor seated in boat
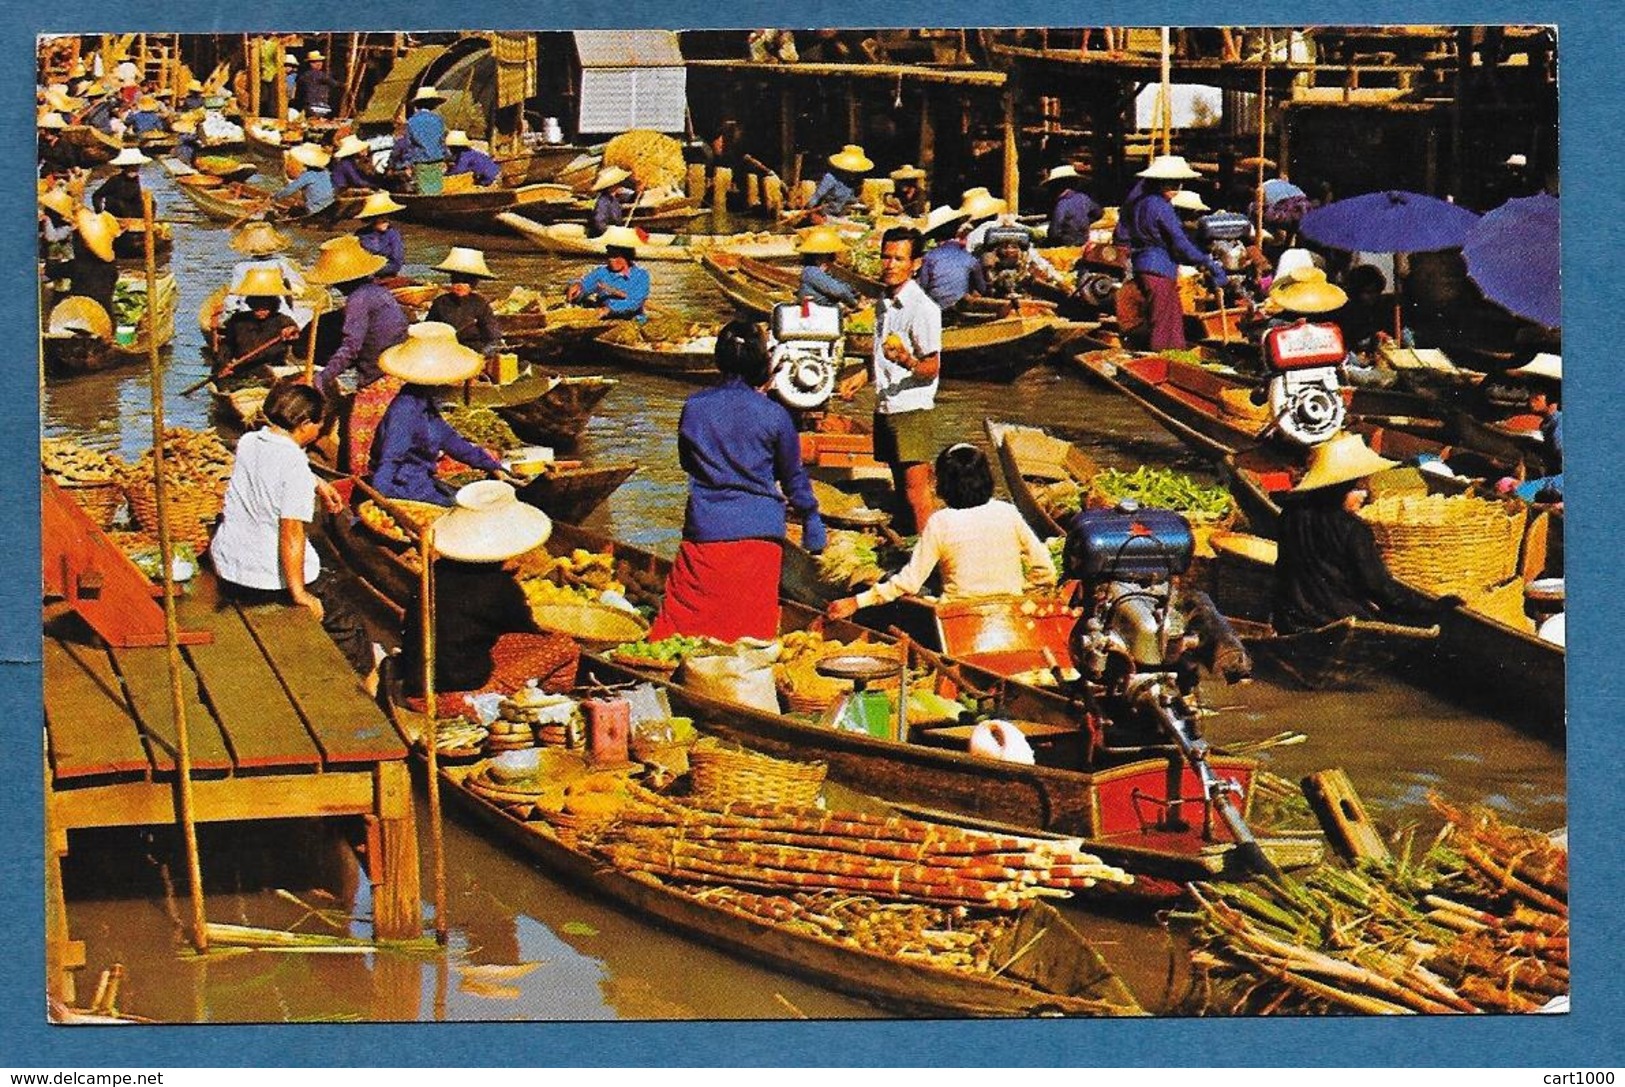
x=314 y=183
x=949 y=272
x=412 y=436
x=836 y=196
x=257 y=337
x=468 y=159
x=1328 y=566
x=908 y=197
x=263 y=244
x=1543 y=375
x=982 y=546
x=380 y=235
x=610 y=207
x=620 y=288
x=352 y=164
x=464 y=308
x=818 y=248
x=485 y=636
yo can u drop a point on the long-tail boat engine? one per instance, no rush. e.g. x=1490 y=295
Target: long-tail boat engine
x=1304 y=391
x=804 y=353
x=1142 y=645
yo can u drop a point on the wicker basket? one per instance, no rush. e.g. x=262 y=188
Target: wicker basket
x=594 y=625
x=1244 y=575
x=101 y=501
x=193 y=507
x=1504 y=603
x=1447 y=544
x=725 y=776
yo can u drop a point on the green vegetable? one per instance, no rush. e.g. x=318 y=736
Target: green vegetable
x=1163 y=488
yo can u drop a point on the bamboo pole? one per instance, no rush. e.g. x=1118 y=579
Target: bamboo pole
x=1263 y=128
x=281 y=89
x=1165 y=100
x=1012 y=161
x=254 y=74
x=430 y=738
x=177 y=704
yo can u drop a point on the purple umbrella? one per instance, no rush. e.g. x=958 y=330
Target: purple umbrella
x=1512 y=254
x=1389 y=222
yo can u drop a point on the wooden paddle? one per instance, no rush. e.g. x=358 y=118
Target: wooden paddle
x=260 y=209
x=231 y=367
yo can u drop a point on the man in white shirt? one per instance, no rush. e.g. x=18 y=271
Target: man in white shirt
x=907 y=359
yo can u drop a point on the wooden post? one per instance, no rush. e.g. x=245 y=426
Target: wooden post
x=281 y=87
x=1263 y=131
x=927 y=156
x=753 y=191
x=177 y=703
x=721 y=181
x=253 y=76
x=437 y=839
x=393 y=862
x=1165 y=100
x=854 y=113
x=773 y=196
x=1012 y=166
x=1343 y=817
x=787 y=134
x=900 y=725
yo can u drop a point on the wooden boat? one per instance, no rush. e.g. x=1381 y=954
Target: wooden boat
x=234 y=201
x=999 y=350
x=129 y=248
x=1478 y=656
x=544 y=408
x=1025 y=468
x=570 y=491
x=72 y=354
x=1042 y=965
x=691 y=361
x=476 y=209
x=1209 y=409
x=571 y=239
x=91 y=145
x=224 y=167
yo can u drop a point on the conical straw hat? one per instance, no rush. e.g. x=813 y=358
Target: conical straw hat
x=308 y=154
x=851 y=159
x=59 y=201
x=261 y=281
x=1307 y=291
x=457 y=138
x=129 y=157
x=427 y=94
x=978 y=203
x=609 y=177
x=1169 y=168
x=1341 y=459
x=1065 y=172
x=259 y=238
x=468 y=262
x=1188 y=200
x=98 y=230
x=431 y=355
x=820 y=239
x=490 y=524
x=908 y=172
x=940 y=217
x=51 y=119
x=350 y=145
x=379 y=204
x=342 y=259
x=81 y=313
x=620 y=237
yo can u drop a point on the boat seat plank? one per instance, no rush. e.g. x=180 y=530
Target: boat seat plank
x=146 y=678
x=348 y=727
x=265 y=729
x=90 y=727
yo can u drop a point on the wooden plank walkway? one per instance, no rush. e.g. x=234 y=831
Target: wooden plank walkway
x=278 y=725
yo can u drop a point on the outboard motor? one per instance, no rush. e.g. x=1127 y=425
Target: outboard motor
x=1141 y=643
x=1305 y=392
x=1226 y=235
x=1005 y=257
x=804 y=353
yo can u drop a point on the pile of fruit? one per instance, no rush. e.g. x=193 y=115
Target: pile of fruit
x=662 y=655
x=482 y=426
x=849 y=559
x=663 y=330
x=581 y=577
x=190 y=456
x=74 y=465
x=385 y=524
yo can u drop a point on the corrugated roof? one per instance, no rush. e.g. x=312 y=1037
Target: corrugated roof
x=628 y=49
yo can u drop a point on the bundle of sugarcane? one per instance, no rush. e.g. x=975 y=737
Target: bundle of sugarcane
x=1478 y=924
x=891 y=857
x=943 y=936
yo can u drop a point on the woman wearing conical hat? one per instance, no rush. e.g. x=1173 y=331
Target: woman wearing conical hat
x=468 y=159
x=614 y=186
x=838 y=190
x=379 y=234
x=1328 y=565
x=908 y=196
x=121 y=193
x=92 y=271
x=413 y=437
x=818 y=248
x=56 y=228
x=263 y=244
x=352 y=164
x=1149 y=225
x=315 y=181
x=462 y=307
x=255 y=337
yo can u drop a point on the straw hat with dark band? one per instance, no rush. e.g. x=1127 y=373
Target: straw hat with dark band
x=98 y=231
x=467 y=262
x=431 y=355
x=379 y=204
x=851 y=159
x=908 y=172
x=1307 y=291
x=258 y=239
x=609 y=177
x=490 y=524
x=1169 y=168
x=1342 y=459
x=342 y=260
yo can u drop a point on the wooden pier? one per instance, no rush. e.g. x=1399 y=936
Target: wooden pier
x=278 y=728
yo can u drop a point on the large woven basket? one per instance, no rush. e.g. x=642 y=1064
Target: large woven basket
x=1244 y=575
x=724 y=775
x=193 y=507
x=594 y=625
x=1447 y=544
x=102 y=501
x=1505 y=604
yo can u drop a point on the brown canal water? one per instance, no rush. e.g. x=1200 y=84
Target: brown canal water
x=1397 y=743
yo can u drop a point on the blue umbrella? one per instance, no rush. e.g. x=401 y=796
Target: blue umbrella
x=1389 y=222
x=1512 y=254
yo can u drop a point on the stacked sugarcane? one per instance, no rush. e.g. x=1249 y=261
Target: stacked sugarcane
x=947 y=936
x=775 y=847
x=1479 y=923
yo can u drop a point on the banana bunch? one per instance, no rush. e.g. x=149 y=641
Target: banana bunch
x=542 y=591
x=589 y=569
x=70 y=463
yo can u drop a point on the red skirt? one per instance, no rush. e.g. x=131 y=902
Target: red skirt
x=366 y=412
x=517 y=658
x=726 y=590
x=1167 y=312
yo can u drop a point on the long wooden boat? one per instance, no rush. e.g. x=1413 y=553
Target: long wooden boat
x=1509 y=670
x=476 y=209
x=570 y=492
x=544 y=408
x=1041 y=965
x=233 y=201
x=74 y=353
x=999 y=350
x=571 y=239
x=91 y=145
x=693 y=361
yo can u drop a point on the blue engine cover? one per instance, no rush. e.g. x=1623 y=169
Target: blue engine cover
x=1129 y=543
